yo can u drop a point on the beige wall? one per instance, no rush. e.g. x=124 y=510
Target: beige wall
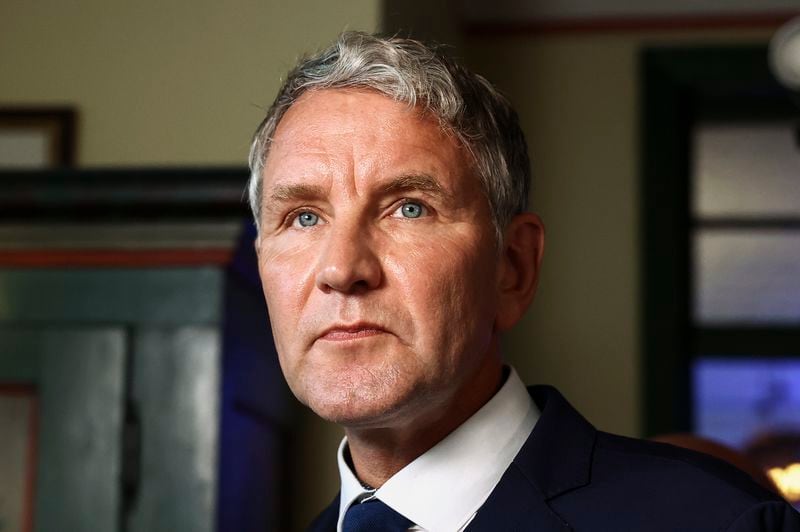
x=184 y=83
x=178 y=82
x=175 y=82
x=577 y=96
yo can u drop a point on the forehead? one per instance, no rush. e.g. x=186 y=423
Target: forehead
x=349 y=111
x=362 y=132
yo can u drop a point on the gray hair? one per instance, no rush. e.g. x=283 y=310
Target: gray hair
x=465 y=104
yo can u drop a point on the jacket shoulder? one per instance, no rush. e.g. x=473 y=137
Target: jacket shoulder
x=664 y=459
x=644 y=485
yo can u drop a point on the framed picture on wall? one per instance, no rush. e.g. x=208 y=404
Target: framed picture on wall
x=37 y=138
x=18 y=434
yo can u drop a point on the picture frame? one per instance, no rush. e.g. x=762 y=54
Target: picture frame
x=37 y=137
x=18 y=444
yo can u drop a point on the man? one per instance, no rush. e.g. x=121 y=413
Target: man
x=389 y=187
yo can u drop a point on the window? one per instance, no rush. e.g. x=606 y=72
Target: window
x=721 y=252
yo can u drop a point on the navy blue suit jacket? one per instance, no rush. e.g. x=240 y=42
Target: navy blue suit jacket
x=570 y=476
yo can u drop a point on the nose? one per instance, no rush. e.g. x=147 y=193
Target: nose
x=348 y=263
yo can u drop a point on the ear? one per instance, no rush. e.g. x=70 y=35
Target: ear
x=519 y=268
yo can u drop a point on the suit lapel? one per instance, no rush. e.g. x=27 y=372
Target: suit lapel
x=515 y=505
x=555 y=459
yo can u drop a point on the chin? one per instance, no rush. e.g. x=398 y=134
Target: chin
x=349 y=417
x=357 y=408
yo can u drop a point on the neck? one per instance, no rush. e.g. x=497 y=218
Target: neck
x=378 y=453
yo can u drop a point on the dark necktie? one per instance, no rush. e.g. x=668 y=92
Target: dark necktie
x=374 y=515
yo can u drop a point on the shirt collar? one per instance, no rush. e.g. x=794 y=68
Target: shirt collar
x=351 y=489
x=442 y=489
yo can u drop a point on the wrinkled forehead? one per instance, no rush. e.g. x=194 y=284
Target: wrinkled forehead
x=363 y=105
x=365 y=127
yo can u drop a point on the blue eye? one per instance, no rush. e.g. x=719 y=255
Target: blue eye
x=307 y=219
x=412 y=210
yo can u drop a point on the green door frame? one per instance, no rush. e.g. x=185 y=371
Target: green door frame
x=680 y=87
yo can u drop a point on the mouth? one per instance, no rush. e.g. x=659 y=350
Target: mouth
x=350 y=332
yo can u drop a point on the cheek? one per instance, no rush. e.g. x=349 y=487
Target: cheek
x=448 y=290
x=286 y=278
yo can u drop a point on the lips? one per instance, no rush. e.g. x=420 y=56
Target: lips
x=348 y=332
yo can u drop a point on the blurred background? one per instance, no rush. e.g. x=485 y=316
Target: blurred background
x=139 y=389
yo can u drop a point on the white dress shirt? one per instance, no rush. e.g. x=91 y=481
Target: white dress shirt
x=442 y=490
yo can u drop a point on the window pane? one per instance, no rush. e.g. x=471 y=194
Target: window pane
x=747 y=276
x=738 y=400
x=746 y=170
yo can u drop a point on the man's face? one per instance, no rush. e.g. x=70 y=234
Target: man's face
x=377 y=258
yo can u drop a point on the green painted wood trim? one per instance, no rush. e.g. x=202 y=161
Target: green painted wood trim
x=679 y=87
x=89 y=295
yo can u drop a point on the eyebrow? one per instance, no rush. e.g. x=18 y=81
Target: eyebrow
x=421 y=182
x=299 y=191
x=407 y=182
